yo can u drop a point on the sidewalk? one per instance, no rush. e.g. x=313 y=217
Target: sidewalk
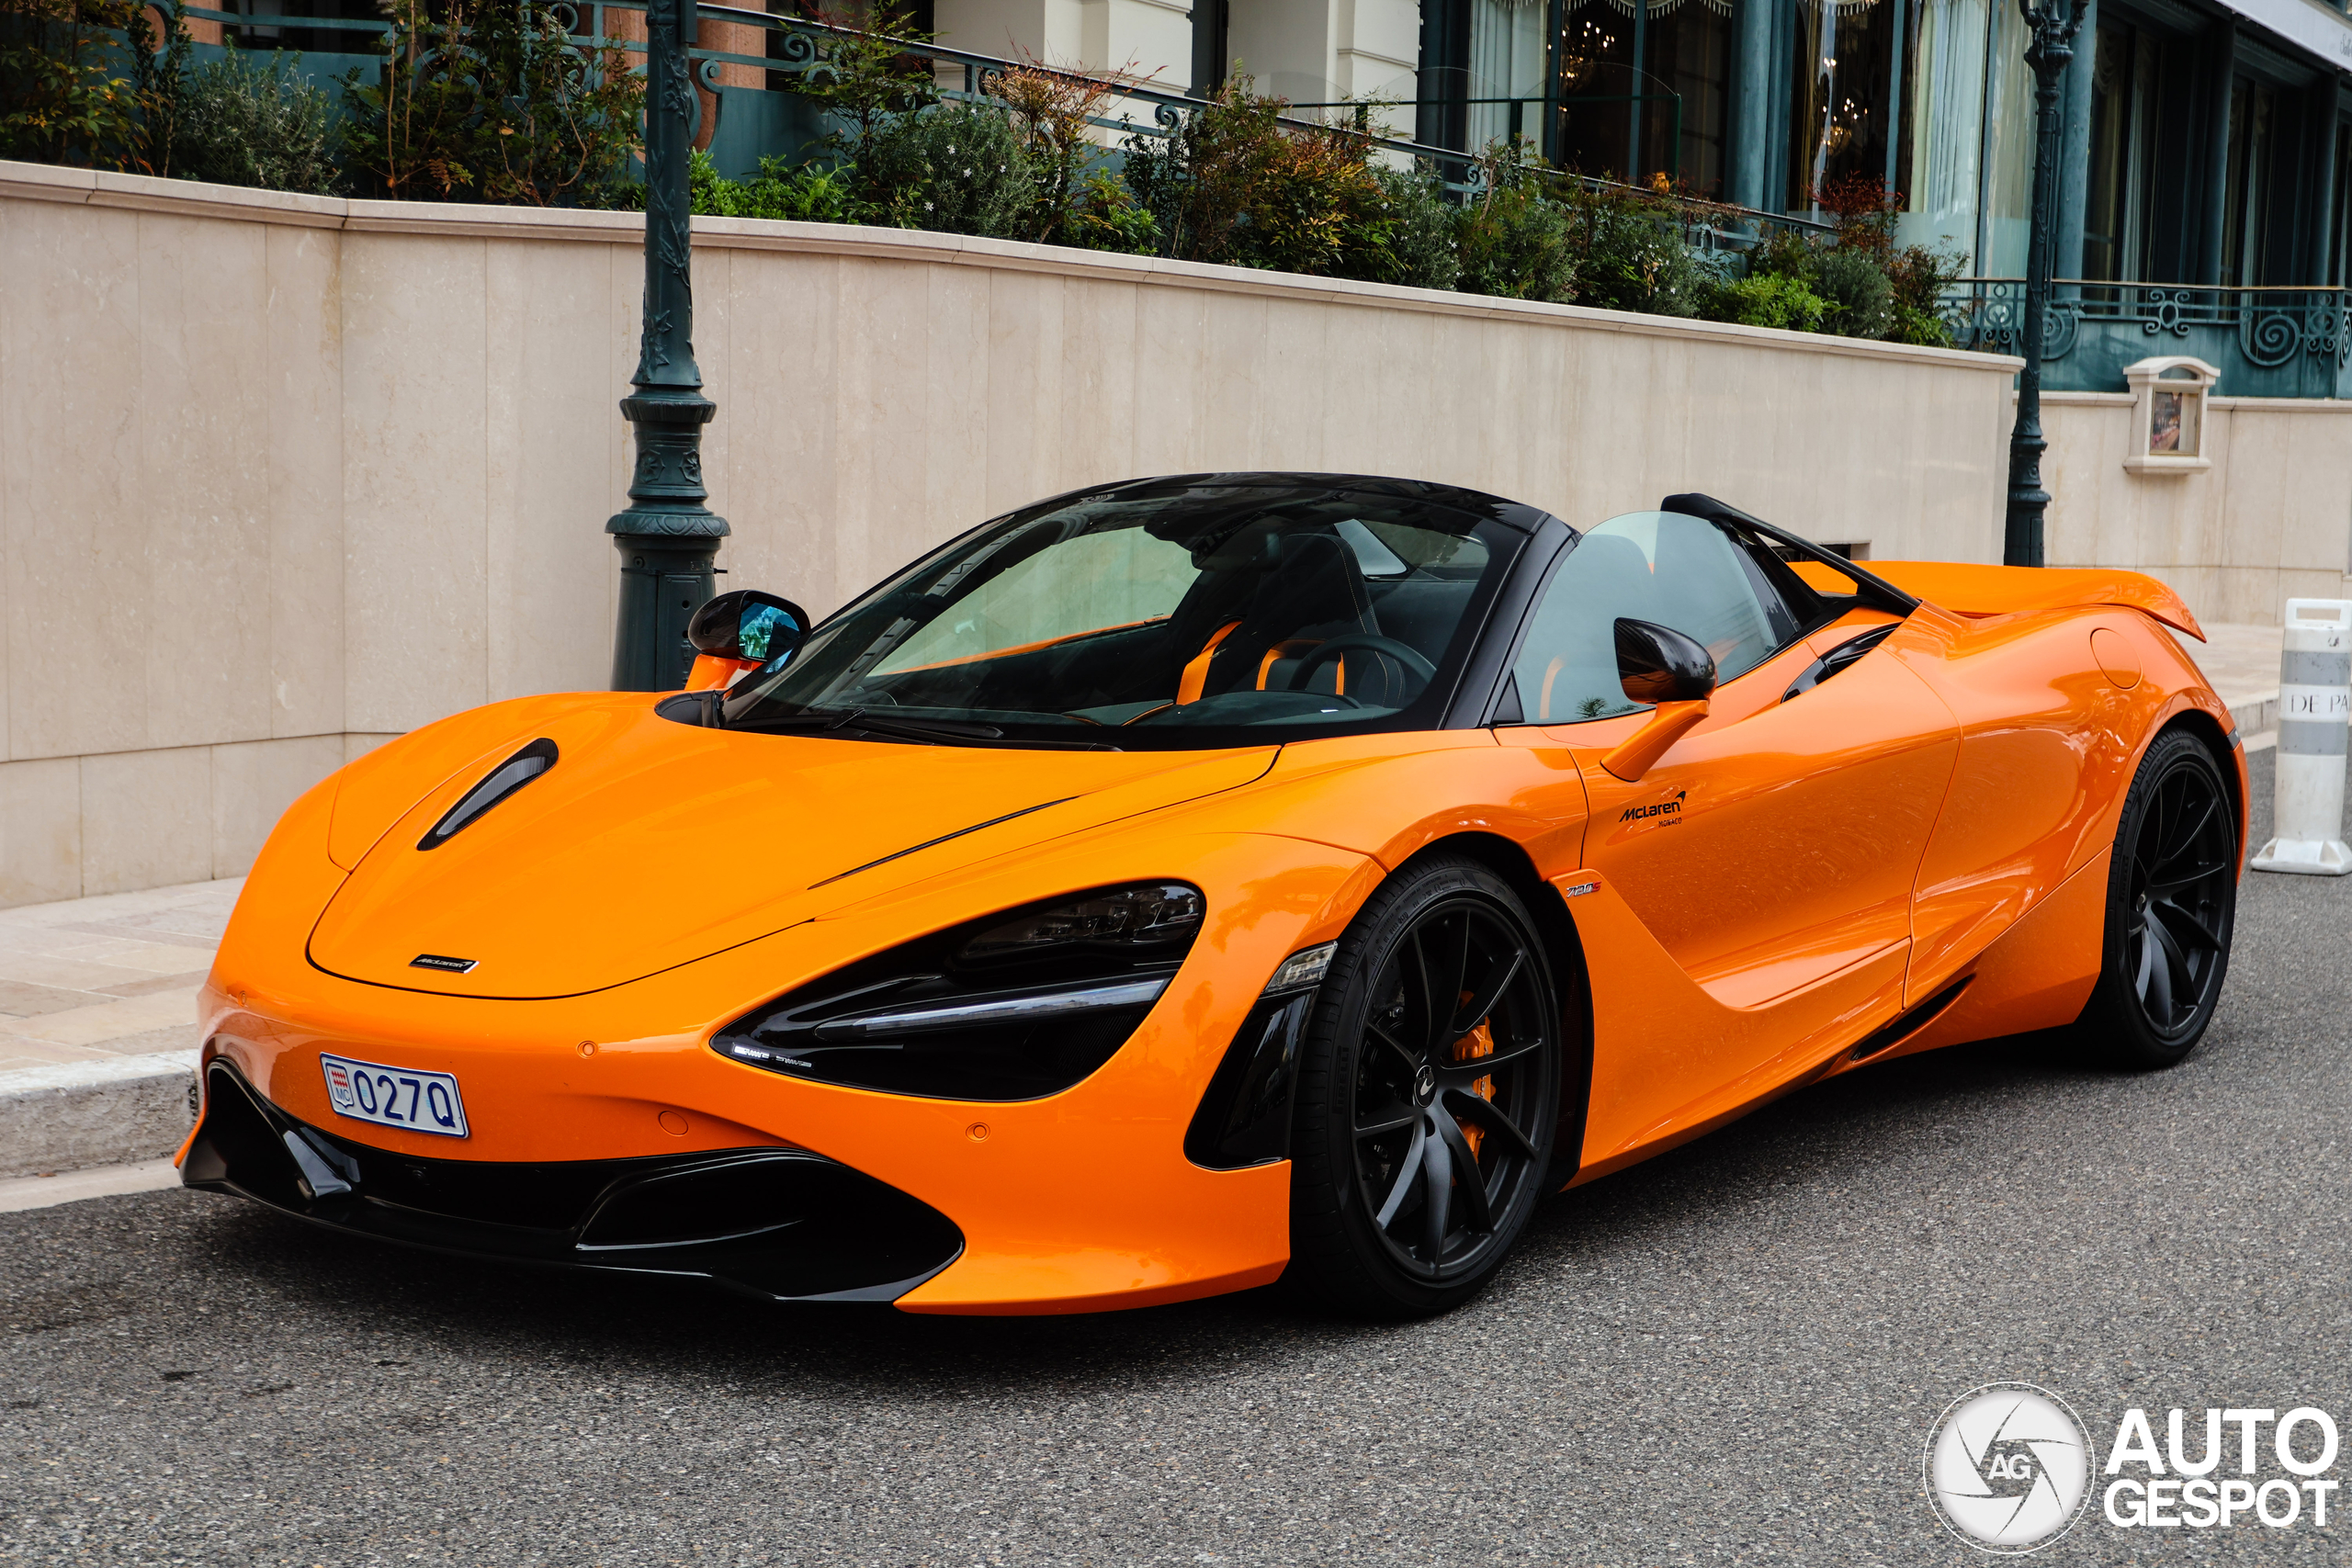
x=98 y=1024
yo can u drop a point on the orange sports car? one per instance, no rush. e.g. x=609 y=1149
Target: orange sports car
x=1193 y=882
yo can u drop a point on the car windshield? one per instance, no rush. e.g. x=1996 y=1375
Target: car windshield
x=1179 y=616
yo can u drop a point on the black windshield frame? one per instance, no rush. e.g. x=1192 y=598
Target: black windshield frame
x=866 y=627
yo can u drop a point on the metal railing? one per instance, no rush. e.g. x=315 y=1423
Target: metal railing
x=2267 y=341
x=1143 y=110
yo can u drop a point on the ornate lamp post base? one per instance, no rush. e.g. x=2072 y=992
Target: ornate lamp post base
x=668 y=541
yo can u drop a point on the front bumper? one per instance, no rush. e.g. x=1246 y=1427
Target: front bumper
x=781 y=1223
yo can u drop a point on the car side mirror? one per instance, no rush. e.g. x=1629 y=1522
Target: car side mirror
x=741 y=630
x=1658 y=664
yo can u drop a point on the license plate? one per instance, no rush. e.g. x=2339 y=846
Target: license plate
x=394 y=1096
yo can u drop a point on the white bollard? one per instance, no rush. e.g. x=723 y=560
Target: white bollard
x=2314 y=704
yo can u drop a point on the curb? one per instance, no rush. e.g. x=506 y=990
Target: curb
x=77 y=1115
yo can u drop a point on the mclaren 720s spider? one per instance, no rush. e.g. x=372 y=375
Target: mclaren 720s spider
x=1193 y=881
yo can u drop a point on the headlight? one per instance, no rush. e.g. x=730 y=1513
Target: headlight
x=1015 y=1006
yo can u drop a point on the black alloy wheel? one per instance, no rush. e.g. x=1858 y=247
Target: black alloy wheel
x=2172 y=902
x=1429 y=1096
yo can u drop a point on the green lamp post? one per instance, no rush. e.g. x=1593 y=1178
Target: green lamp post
x=668 y=538
x=2053 y=24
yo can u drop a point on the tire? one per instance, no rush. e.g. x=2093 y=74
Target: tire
x=1392 y=1104
x=2171 y=908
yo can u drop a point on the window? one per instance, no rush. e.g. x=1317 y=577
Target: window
x=2125 y=88
x=1162 y=614
x=1843 y=77
x=1648 y=566
x=2245 y=224
x=1658 y=70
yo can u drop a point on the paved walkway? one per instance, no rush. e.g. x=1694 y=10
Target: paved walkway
x=115 y=975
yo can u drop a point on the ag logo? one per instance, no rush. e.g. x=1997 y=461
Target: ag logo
x=2007 y=1468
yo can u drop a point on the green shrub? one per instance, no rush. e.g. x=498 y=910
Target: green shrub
x=239 y=122
x=1235 y=185
x=1514 y=242
x=1861 y=300
x=1772 y=299
x=804 y=193
x=67 y=95
x=1630 y=255
x=1421 y=251
x=1105 y=216
x=958 y=169
x=491 y=102
x=865 y=80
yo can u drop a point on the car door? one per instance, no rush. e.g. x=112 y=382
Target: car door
x=1770 y=854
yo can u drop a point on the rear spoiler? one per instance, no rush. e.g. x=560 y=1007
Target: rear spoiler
x=1971 y=590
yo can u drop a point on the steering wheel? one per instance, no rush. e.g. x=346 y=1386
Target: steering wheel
x=1323 y=653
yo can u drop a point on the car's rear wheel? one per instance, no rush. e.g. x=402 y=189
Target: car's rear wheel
x=2171 y=905
x=1429 y=1090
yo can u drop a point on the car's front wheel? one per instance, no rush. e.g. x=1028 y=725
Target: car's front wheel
x=2171 y=904
x=1429 y=1090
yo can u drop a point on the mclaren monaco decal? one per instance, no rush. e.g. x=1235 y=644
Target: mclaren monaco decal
x=1649 y=816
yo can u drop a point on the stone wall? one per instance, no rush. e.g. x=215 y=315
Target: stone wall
x=282 y=475
x=2271 y=519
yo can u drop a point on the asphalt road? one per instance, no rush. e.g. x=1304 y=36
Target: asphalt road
x=1731 y=1354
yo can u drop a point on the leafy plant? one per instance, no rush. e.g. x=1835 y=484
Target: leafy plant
x=958 y=169
x=1236 y=186
x=1421 y=251
x=1917 y=275
x=490 y=101
x=864 y=76
x=1514 y=241
x=1772 y=299
x=1631 y=253
x=236 y=121
x=1053 y=113
x=1861 y=300
x=62 y=98
x=1106 y=216
x=803 y=193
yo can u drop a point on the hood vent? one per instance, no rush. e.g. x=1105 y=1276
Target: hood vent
x=505 y=780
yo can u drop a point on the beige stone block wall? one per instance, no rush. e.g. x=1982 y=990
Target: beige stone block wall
x=2271 y=519
x=282 y=476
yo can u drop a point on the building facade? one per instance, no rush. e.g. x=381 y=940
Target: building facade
x=2207 y=143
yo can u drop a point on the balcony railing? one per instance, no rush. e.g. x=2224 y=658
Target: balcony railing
x=753 y=122
x=2268 y=342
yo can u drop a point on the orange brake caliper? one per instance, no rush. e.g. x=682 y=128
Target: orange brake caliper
x=1479 y=1042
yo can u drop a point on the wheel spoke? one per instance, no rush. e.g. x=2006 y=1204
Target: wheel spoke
x=2176 y=845
x=2185 y=925
x=1499 y=974
x=1472 y=1180
x=1453 y=970
x=1489 y=1115
x=2157 y=988
x=1394 y=1043
x=1429 y=1014
x=2203 y=870
x=1437 y=1205
x=1455 y=1074
x=1395 y=1119
x=1407 y=1171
